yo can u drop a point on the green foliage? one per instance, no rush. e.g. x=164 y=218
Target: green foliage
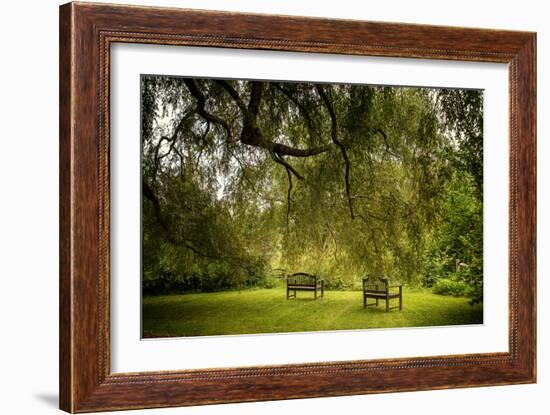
x=447 y=286
x=460 y=237
x=462 y=114
x=394 y=189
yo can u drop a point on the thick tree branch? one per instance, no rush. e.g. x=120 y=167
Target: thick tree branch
x=233 y=94
x=201 y=104
x=285 y=150
x=255 y=98
x=385 y=137
x=251 y=133
x=279 y=159
x=172 y=142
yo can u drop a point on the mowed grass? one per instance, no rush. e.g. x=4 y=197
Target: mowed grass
x=268 y=311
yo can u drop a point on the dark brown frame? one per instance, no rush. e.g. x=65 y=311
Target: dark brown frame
x=86 y=33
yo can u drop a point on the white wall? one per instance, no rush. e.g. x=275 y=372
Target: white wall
x=28 y=204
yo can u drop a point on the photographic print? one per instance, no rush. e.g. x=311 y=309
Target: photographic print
x=276 y=206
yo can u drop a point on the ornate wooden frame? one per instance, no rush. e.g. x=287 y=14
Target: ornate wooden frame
x=86 y=33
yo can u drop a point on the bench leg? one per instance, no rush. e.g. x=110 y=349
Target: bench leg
x=387 y=304
x=315 y=294
x=366 y=301
x=287 y=292
x=400 y=299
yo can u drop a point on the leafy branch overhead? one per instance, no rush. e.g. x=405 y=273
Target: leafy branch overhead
x=260 y=175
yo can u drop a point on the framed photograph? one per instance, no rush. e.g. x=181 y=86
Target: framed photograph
x=258 y=207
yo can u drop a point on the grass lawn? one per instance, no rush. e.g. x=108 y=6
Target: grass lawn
x=268 y=311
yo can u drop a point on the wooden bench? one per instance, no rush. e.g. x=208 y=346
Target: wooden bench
x=301 y=281
x=379 y=289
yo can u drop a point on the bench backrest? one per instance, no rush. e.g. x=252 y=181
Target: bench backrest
x=375 y=284
x=301 y=278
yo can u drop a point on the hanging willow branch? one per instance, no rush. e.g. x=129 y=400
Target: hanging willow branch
x=182 y=240
x=288 y=196
x=334 y=136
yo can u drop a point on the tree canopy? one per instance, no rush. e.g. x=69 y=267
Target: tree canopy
x=242 y=179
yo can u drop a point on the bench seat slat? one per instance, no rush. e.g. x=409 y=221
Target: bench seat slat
x=373 y=295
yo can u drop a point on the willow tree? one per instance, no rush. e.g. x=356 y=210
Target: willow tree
x=243 y=177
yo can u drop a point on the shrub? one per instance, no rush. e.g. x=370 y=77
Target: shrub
x=447 y=286
x=270 y=281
